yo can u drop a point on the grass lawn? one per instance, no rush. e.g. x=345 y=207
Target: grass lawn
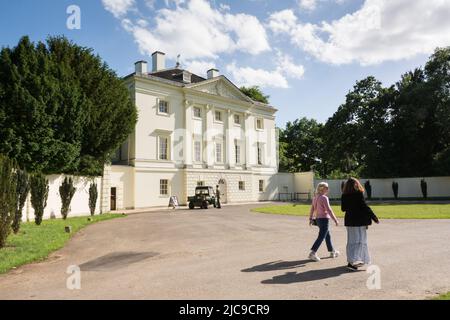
x=444 y=297
x=35 y=243
x=397 y=211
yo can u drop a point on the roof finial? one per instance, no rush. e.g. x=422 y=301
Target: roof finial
x=178 y=61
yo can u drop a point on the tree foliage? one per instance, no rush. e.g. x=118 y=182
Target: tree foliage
x=7 y=197
x=66 y=192
x=39 y=195
x=255 y=94
x=93 y=195
x=22 y=190
x=397 y=131
x=62 y=110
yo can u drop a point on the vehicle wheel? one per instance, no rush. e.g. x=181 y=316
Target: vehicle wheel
x=191 y=205
x=205 y=205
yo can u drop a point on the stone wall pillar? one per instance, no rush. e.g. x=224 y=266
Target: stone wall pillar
x=105 y=196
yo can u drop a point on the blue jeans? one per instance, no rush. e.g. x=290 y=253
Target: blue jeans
x=324 y=234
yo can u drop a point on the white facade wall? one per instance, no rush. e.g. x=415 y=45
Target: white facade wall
x=438 y=187
x=80 y=202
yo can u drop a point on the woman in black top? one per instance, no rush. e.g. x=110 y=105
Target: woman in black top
x=358 y=216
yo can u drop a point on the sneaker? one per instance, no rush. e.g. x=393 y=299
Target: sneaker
x=334 y=254
x=352 y=267
x=313 y=256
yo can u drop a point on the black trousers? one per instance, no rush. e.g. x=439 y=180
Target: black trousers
x=218 y=204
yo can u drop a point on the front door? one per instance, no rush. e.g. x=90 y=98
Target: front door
x=113 y=199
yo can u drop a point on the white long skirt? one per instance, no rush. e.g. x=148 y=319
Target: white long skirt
x=357 y=250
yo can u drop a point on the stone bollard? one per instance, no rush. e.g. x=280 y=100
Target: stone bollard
x=68 y=229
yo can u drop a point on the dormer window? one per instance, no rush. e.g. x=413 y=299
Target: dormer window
x=187 y=77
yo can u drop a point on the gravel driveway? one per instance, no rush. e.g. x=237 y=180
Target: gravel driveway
x=234 y=254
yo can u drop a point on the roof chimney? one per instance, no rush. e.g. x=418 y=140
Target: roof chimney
x=141 y=67
x=213 y=73
x=159 y=61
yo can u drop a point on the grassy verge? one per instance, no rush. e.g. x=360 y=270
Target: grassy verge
x=400 y=211
x=34 y=243
x=445 y=296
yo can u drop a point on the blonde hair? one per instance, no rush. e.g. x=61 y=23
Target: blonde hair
x=320 y=187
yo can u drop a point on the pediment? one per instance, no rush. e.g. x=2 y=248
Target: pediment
x=221 y=87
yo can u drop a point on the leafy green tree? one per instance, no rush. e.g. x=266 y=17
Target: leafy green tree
x=66 y=192
x=93 y=195
x=22 y=190
x=7 y=197
x=39 y=195
x=300 y=145
x=62 y=110
x=256 y=94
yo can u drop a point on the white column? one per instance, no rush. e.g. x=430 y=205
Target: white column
x=248 y=139
x=209 y=142
x=229 y=142
x=188 y=131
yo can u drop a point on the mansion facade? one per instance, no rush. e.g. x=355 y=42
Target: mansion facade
x=193 y=131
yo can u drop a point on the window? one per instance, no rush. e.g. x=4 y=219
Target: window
x=197 y=112
x=197 y=151
x=163 y=107
x=260 y=153
x=164 y=187
x=200 y=183
x=261 y=185
x=259 y=124
x=237 y=119
x=218 y=116
x=219 y=153
x=163 y=148
x=241 y=185
x=237 y=153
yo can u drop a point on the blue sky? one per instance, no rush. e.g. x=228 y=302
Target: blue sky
x=306 y=54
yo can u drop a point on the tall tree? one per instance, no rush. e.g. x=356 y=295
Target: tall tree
x=7 y=197
x=300 y=145
x=256 y=94
x=62 y=110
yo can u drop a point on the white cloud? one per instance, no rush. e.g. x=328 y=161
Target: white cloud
x=277 y=78
x=381 y=30
x=118 y=8
x=197 y=31
x=282 y=21
x=307 y=4
x=199 y=67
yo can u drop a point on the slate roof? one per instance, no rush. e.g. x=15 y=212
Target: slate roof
x=176 y=74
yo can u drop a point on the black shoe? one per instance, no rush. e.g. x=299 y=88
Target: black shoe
x=352 y=267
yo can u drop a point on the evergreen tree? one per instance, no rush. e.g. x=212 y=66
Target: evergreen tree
x=22 y=190
x=66 y=192
x=7 y=197
x=39 y=195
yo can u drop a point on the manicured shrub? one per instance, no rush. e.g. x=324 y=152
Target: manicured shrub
x=424 y=188
x=395 y=189
x=368 y=188
x=39 y=194
x=22 y=190
x=66 y=192
x=7 y=197
x=93 y=195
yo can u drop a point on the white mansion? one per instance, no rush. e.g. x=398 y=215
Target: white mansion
x=193 y=131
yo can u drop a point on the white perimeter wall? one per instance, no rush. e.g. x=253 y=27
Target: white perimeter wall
x=438 y=187
x=80 y=202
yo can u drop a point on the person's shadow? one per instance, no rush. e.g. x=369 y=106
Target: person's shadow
x=312 y=275
x=277 y=265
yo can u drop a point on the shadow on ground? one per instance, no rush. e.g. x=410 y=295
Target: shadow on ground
x=312 y=275
x=116 y=260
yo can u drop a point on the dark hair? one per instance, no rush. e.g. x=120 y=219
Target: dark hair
x=353 y=186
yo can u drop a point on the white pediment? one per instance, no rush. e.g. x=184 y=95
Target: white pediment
x=220 y=87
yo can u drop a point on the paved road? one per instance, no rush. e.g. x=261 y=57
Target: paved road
x=234 y=254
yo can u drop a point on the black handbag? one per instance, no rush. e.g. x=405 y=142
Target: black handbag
x=314 y=222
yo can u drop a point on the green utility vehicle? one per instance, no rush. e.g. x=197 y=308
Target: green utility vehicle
x=204 y=197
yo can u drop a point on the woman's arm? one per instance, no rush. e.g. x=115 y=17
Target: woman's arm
x=368 y=209
x=330 y=210
x=311 y=211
